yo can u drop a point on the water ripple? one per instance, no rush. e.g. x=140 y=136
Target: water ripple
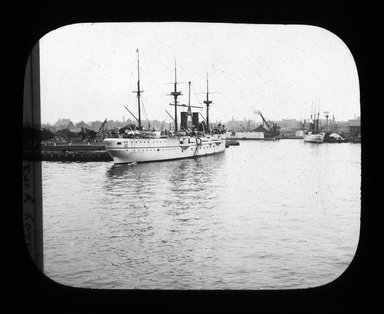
x=260 y=216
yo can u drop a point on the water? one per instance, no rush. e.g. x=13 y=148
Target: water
x=262 y=215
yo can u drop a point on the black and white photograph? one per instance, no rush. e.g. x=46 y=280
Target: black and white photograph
x=197 y=156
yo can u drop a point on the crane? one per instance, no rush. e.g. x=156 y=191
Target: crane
x=273 y=131
x=265 y=121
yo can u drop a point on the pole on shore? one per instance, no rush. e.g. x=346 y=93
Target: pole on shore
x=32 y=189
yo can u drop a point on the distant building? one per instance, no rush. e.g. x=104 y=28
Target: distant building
x=354 y=127
x=82 y=124
x=241 y=125
x=340 y=127
x=289 y=126
x=63 y=123
x=289 y=123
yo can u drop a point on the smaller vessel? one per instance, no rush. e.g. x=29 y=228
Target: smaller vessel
x=313 y=135
x=231 y=143
x=331 y=136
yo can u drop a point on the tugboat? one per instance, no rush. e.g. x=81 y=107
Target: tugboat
x=331 y=136
x=192 y=140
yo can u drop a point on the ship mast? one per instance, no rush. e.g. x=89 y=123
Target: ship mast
x=312 y=122
x=175 y=94
x=207 y=102
x=326 y=116
x=138 y=88
x=318 y=116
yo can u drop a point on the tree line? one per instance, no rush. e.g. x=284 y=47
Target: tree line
x=95 y=125
x=67 y=135
x=45 y=134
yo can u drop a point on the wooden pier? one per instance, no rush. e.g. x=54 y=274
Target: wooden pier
x=75 y=156
x=68 y=152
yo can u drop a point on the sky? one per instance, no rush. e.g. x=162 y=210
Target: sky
x=88 y=71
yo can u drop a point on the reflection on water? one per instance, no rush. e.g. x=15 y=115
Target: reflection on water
x=261 y=215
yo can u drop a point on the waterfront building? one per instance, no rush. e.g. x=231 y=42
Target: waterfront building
x=354 y=127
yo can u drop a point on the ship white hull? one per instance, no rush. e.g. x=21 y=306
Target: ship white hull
x=314 y=138
x=126 y=150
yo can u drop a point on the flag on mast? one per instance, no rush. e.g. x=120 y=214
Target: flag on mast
x=103 y=128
